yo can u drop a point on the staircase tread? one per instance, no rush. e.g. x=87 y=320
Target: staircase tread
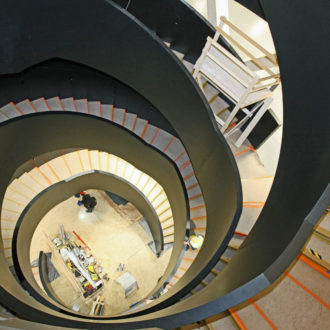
x=194 y=191
x=162 y=140
x=181 y=159
x=40 y=105
x=107 y=111
x=175 y=149
x=69 y=104
x=139 y=126
x=55 y=103
x=129 y=121
x=94 y=108
x=189 y=66
x=196 y=201
x=150 y=133
x=10 y=111
x=178 y=54
x=119 y=115
x=81 y=105
x=26 y=107
x=186 y=170
x=30 y=182
x=2 y=117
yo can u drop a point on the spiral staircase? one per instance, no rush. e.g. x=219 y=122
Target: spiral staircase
x=102 y=83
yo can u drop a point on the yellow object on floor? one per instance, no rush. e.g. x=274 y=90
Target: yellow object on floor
x=94 y=277
x=196 y=241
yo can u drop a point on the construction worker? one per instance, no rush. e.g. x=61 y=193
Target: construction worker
x=89 y=202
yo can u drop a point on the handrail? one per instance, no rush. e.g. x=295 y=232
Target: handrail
x=270 y=56
x=247 y=52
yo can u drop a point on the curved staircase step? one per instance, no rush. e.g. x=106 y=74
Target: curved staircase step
x=85 y=159
x=69 y=104
x=73 y=160
x=107 y=111
x=59 y=169
x=175 y=149
x=167 y=223
x=195 y=191
x=200 y=212
x=95 y=108
x=164 y=205
x=26 y=107
x=103 y=158
x=163 y=140
x=130 y=121
x=140 y=126
x=22 y=189
x=157 y=190
x=119 y=116
x=2 y=117
x=10 y=111
x=150 y=134
x=189 y=66
x=14 y=196
x=55 y=104
x=9 y=214
x=27 y=180
x=82 y=106
x=169 y=239
x=168 y=231
x=95 y=161
x=165 y=216
x=41 y=105
x=38 y=176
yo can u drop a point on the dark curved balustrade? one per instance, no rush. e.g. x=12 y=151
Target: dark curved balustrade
x=97 y=134
x=111 y=43
x=54 y=195
x=175 y=21
x=62 y=78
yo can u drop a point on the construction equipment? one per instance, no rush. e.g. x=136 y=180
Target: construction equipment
x=80 y=239
x=95 y=303
x=68 y=254
x=100 y=307
x=78 y=263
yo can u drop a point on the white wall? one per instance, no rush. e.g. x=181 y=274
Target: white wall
x=199 y=5
x=258 y=29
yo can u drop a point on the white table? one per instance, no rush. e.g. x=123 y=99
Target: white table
x=128 y=282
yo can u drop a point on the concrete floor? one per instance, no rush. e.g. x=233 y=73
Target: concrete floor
x=113 y=240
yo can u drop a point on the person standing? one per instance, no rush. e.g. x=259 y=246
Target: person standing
x=89 y=202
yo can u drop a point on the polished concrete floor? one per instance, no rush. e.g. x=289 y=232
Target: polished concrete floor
x=113 y=240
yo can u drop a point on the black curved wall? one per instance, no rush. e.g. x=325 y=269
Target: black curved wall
x=59 y=127
x=52 y=196
x=176 y=22
x=62 y=78
x=111 y=43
